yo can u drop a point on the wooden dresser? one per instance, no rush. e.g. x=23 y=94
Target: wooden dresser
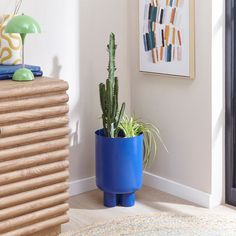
x=33 y=157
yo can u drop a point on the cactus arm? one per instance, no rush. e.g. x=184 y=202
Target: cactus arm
x=115 y=98
x=119 y=118
x=109 y=95
x=121 y=114
x=111 y=47
x=102 y=91
x=104 y=125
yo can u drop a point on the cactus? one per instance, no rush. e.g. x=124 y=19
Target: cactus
x=112 y=115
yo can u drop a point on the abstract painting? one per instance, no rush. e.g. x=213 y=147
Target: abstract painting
x=167 y=37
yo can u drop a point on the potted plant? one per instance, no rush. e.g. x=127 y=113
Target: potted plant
x=123 y=146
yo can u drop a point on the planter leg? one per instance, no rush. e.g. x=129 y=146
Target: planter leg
x=128 y=200
x=110 y=199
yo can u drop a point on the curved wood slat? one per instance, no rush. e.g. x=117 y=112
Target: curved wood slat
x=33 y=172
x=38 y=182
x=40 y=136
x=33 y=156
x=29 y=230
x=31 y=89
x=33 y=149
x=27 y=162
x=33 y=126
x=33 y=217
x=35 y=114
x=33 y=206
x=33 y=103
x=28 y=196
x=52 y=231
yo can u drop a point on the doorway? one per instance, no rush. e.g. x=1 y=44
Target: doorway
x=230 y=135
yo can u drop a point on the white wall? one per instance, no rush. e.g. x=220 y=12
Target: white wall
x=190 y=114
x=218 y=102
x=181 y=108
x=72 y=47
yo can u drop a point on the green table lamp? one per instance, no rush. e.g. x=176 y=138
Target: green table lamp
x=23 y=25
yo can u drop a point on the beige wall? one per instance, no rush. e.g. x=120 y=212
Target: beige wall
x=72 y=46
x=97 y=19
x=181 y=108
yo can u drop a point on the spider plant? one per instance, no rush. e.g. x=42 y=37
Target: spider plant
x=132 y=127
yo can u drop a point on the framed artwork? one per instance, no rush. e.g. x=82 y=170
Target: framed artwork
x=167 y=37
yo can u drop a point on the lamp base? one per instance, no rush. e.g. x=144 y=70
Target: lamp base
x=23 y=75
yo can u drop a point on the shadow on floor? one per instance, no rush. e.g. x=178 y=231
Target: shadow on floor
x=147 y=198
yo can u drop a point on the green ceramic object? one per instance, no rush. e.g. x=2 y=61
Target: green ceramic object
x=23 y=75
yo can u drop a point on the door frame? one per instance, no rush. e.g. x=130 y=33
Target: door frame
x=230 y=92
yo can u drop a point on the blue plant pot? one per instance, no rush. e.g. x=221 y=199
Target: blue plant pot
x=119 y=168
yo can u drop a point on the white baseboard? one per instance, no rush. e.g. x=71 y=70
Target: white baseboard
x=156 y=182
x=82 y=186
x=178 y=190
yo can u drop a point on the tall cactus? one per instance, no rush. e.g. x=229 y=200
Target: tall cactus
x=112 y=115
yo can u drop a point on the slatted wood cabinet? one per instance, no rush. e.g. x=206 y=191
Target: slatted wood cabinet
x=33 y=157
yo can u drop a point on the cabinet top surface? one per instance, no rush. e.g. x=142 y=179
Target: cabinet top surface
x=39 y=81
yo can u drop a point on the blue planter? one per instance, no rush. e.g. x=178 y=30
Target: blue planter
x=119 y=167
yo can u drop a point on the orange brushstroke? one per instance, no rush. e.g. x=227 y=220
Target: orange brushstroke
x=177 y=3
x=167 y=32
x=153 y=56
x=155 y=38
x=173 y=36
x=179 y=38
x=161 y=53
x=157 y=56
x=172 y=17
x=154 y=26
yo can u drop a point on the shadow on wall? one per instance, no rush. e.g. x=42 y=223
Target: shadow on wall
x=56 y=67
x=82 y=112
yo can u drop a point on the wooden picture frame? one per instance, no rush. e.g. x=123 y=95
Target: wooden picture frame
x=166 y=36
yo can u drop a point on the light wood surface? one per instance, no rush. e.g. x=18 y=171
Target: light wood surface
x=33 y=157
x=33 y=126
x=37 y=227
x=28 y=174
x=50 y=212
x=33 y=103
x=87 y=208
x=52 y=231
x=30 y=89
x=34 y=114
x=35 y=194
x=36 y=160
x=35 y=137
x=33 y=149
x=33 y=206
x=30 y=184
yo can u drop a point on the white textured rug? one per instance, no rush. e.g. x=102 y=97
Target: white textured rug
x=162 y=224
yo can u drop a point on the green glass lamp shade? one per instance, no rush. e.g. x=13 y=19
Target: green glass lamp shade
x=23 y=25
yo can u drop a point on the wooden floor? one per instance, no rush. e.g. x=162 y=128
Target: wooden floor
x=87 y=208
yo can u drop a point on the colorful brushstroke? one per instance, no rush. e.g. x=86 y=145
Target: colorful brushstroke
x=161 y=35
